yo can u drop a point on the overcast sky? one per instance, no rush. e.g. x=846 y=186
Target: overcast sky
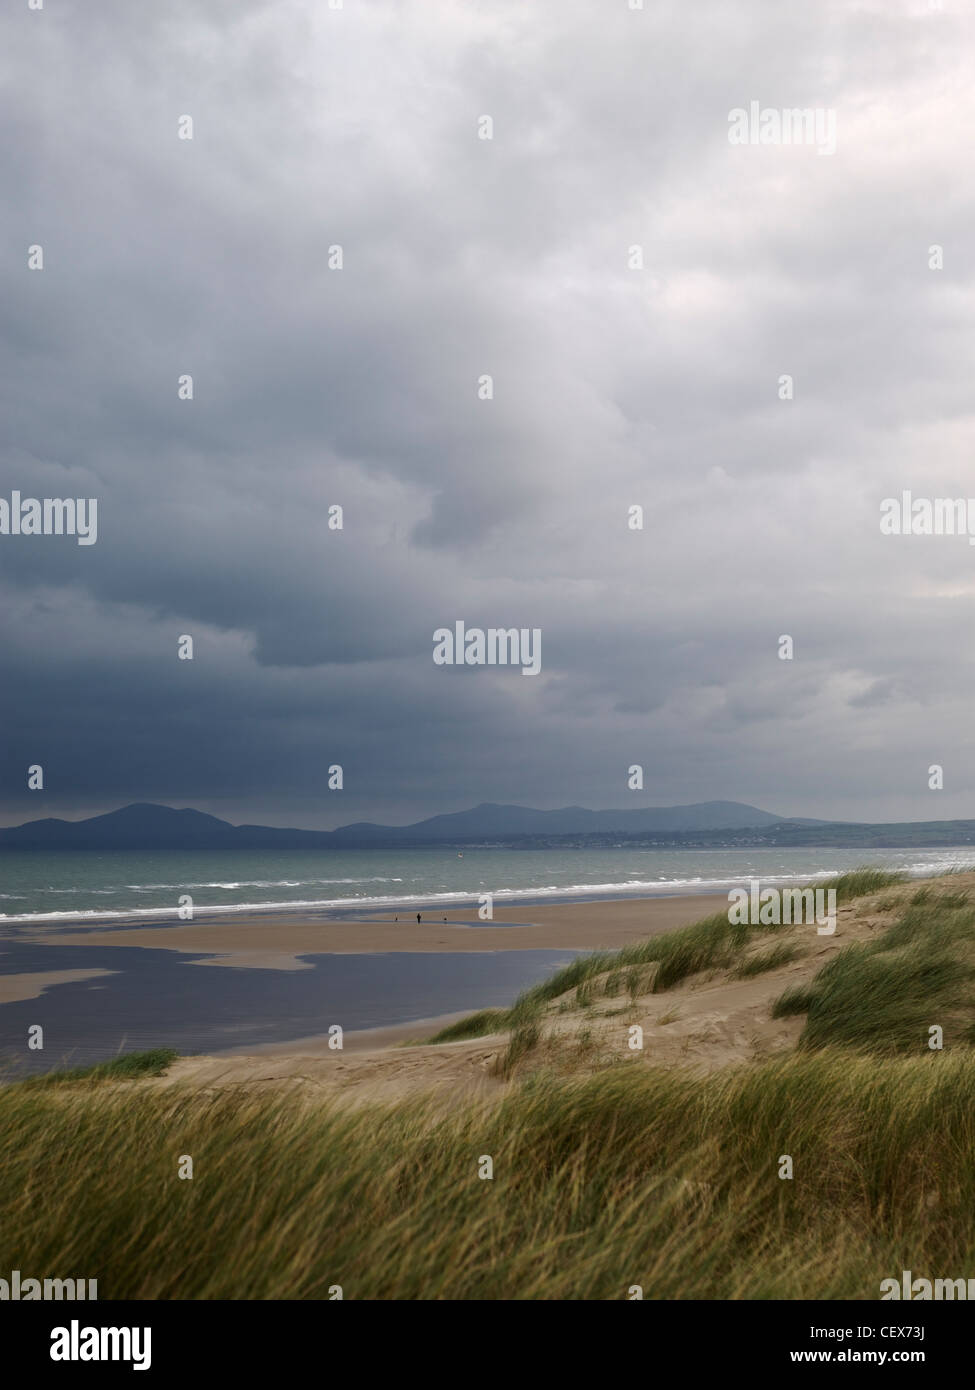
x=360 y=127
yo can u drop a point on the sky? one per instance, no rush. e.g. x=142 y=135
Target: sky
x=508 y=504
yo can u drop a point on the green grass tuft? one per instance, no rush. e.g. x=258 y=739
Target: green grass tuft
x=795 y=1000
x=474 y=1026
x=883 y=996
x=524 y=1039
x=767 y=960
x=858 y=882
x=129 y=1066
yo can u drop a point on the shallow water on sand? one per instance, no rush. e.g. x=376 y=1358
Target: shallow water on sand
x=161 y=999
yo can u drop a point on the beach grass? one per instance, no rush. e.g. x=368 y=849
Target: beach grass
x=127 y=1066
x=885 y=996
x=634 y=1177
x=767 y=960
x=475 y=1025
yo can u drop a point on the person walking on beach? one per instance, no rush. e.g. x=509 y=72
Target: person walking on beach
x=417 y=917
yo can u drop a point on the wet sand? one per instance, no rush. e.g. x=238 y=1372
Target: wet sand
x=14 y=988
x=277 y=941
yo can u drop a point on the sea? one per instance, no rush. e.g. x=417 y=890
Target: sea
x=60 y=886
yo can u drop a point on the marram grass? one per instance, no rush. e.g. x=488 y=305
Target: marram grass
x=128 y=1066
x=632 y=1176
x=885 y=996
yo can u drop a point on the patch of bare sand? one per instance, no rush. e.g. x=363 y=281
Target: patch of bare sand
x=256 y=960
x=14 y=988
x=448 y=1071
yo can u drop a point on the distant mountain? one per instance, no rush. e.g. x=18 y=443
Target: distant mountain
x=141 y=826
x=145 y=826
x=490 y=820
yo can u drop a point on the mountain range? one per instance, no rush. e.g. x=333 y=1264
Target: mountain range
x=145 y=826
x=705 y=825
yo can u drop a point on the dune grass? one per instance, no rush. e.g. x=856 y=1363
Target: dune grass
x=127 y=1066
x=857 y=883
x=767 y=960
x=884 y=996
x=637 y=1176
x=794 y=1000
x=473 y=1026
x=524 y=1039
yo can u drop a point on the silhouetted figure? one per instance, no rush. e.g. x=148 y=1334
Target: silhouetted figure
x=418 y=917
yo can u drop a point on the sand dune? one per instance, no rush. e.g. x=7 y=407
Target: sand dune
x=709 y=1021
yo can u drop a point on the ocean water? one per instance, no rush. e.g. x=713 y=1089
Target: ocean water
x=48 y=886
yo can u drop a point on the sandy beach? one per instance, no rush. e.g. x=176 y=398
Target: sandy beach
x=276 y=942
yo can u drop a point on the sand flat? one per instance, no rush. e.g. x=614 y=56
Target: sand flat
x=276 y=941
x=14 y=988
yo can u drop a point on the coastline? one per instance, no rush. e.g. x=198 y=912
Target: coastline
x=278 y=941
